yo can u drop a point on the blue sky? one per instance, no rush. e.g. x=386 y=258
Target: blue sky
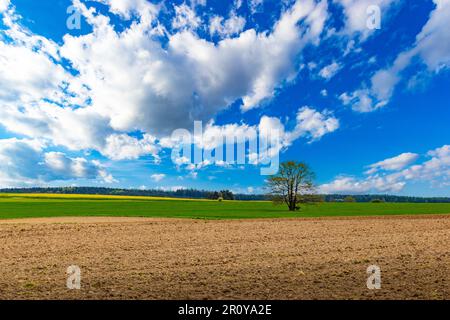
x=367 y=108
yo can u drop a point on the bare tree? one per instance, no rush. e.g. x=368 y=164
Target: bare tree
x=293 y=184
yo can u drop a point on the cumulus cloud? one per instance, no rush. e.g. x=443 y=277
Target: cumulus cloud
x=75 y=129
x=127 y=8
x=361 y=101
x=310 y=125
x=195 y=3
x=435 y=170
x=4 y=4
x=382 y=87
x=127 y=81
x=433 y=42
x=395 y=163
x=313 y=124
x=113 y=83
x=157 y=90
x=172 y=188
x=226 y=28
x=62 y=167
x=18 y=159
x=185 y=18
x=356 y=14
x=24 y=162
x=124 y=147
x=28 y=74
x=157 y=177
x=330 y=70
x=353 y=185
x=432 y=46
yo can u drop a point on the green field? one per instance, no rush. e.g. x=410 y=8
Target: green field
x=34 y=206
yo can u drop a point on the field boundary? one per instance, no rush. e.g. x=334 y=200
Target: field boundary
x=43 y=196
x=48 y=205
x=119 y=219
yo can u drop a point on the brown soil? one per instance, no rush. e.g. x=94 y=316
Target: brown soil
x=134 y=258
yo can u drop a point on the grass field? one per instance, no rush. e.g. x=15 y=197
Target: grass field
x=36 y=206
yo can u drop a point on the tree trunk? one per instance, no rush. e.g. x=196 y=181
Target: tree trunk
x=292 y=206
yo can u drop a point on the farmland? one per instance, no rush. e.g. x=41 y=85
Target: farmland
x=37 y=206
x=158 y=248
x=155 y=258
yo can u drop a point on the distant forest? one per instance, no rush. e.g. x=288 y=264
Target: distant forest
x=204 y=194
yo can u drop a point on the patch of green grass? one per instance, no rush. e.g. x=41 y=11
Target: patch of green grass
x=30 y=285
x=15 y=207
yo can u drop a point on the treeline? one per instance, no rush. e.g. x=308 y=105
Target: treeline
x=382 y=198
x=181 y=193
x=214 y=195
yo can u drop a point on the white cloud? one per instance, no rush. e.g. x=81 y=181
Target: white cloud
x=432 y=46
x=255 y=5
x=433 y=42
x=313 y=124
x=213 y=134
x=182 y=161
x=195 y=3
x=436 y=171
x=361 y=101
x=251 y=65
x=231 y=26
x=127 y=8
x=18 y=162
x=193 y=174
x=171 y=188
x=124 y=147
x=4 y=4
x=185 y=18
x=24 y=162
x=27 y=74
x=330 y=70
x=65 y=168
x=157 y=177
x=353 y=185
x=237 y=4
x=395 y=163
x=310 y=124
x=356 y=14
x=127 y=81
x=75 y=129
